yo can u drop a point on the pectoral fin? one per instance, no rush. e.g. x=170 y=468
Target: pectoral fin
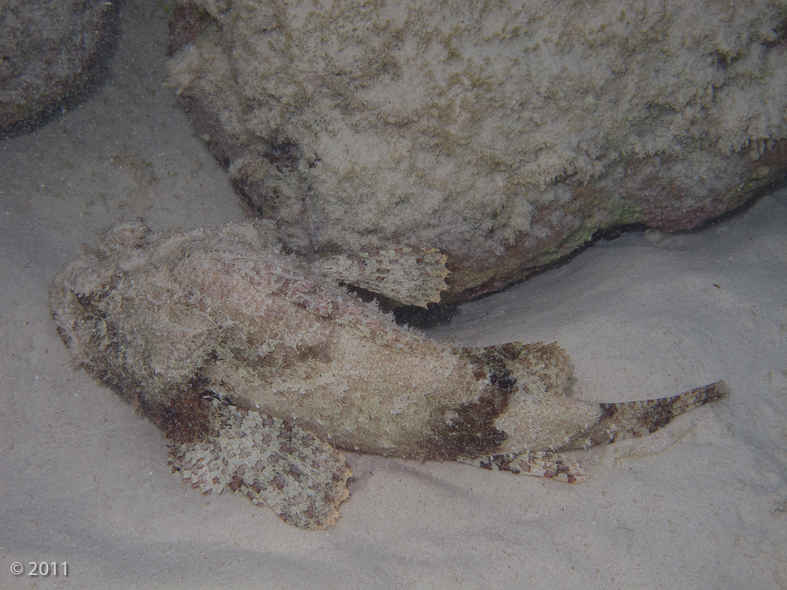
x=411 y=276
x=272 y=462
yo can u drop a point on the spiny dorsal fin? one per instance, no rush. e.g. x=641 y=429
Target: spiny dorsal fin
x=541 y=371
x=409 y=275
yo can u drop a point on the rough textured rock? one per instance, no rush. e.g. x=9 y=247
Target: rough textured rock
x=49 y=52
x=501 y=133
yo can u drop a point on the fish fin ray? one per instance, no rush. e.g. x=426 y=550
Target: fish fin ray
x=533 y=463
x=541 y=371
x=619 y=421
x=408 y=275
x=272 y=462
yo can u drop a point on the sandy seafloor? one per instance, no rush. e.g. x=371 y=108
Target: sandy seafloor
x=84 y=479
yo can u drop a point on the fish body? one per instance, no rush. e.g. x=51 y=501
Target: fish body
x=260 y=366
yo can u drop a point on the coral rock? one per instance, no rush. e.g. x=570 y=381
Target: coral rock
x=504 y=134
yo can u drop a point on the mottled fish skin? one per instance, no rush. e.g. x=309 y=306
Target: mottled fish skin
x=258 y=367
x=270 y=462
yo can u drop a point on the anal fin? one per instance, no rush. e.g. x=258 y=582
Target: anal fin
x=408 y=275
x=272 y=462
x=534 y=463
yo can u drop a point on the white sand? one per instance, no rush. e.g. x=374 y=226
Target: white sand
x=84 y=479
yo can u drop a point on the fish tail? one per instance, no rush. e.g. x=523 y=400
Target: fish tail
x=619 y=421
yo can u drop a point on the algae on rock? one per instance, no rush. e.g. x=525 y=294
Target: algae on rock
x=502 y=133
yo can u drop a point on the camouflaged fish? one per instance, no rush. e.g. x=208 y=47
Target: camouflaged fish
x=259 y=367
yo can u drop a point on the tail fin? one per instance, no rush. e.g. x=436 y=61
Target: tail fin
x=636 y=419
x=615 y=422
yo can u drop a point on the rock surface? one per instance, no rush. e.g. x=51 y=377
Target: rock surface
x=502 y=134
x=49 y=52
